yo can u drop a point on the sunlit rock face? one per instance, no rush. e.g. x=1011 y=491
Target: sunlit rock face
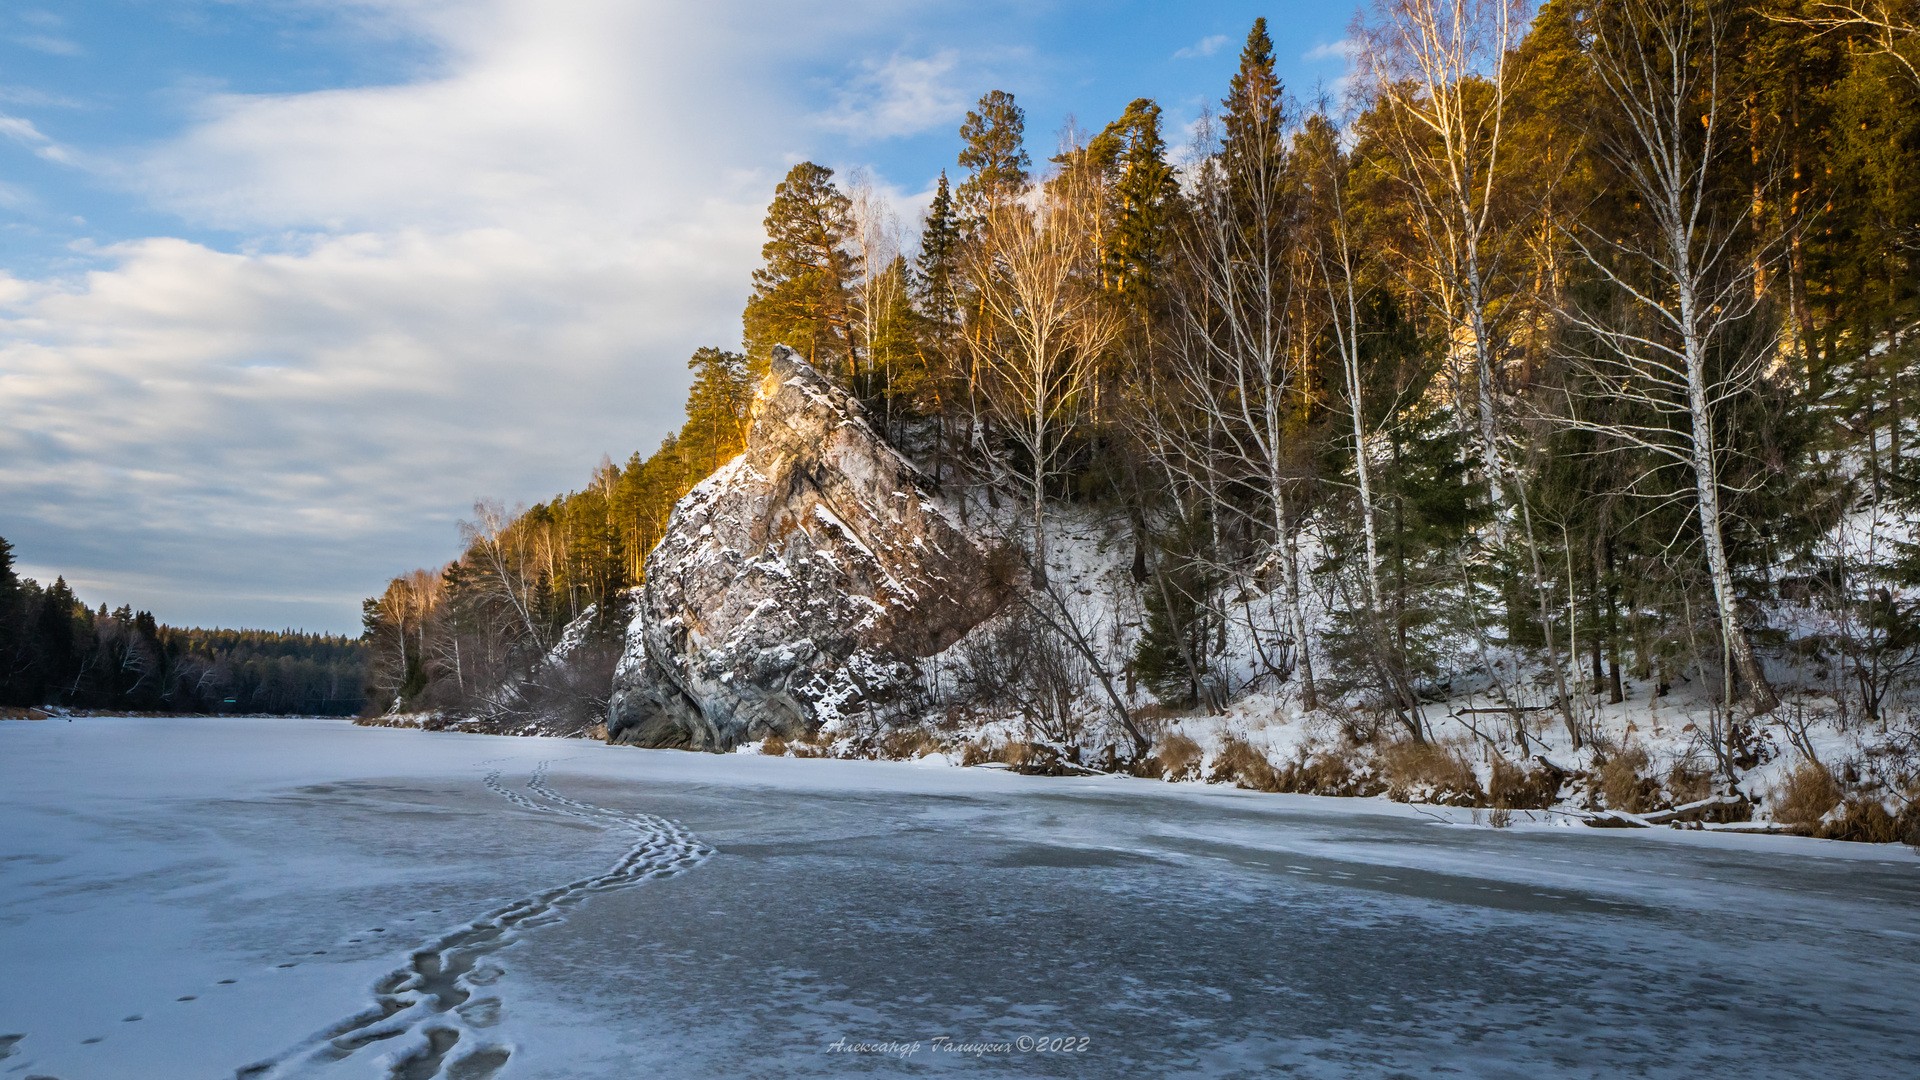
x=798 y=583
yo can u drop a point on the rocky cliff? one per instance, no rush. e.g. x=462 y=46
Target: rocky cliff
x=798 y=583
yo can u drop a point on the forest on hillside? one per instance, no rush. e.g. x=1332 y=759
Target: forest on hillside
x=56 y=651
x=1562 y=351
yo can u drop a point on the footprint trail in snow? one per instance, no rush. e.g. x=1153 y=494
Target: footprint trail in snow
x=430 y=1018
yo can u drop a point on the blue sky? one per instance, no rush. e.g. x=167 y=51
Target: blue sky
x=285 y=285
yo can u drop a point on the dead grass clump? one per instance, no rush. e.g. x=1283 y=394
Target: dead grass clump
x=1515 y=787
x=979 y=752
x=1864 y=821
x=1337 y=773
x=1908 y=825
x=1239 y=763
x=1424 y=772
x=1688 y=782
x=1176 y=757
x=1806 y=796
x=1622 y=783
x=1040 y=759
x=1017 y=754
x=906 y=743
x=774 y=746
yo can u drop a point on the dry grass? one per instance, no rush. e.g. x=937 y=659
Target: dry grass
x=1688 y=782
x=1864 y=820
x=903 y=744
x=979 y=752
x=1176 y=757
x=1336 y=772
x=1425 y=772
x=1515 y=787
x=1805 y=797
x=1622 y=784
x=774 y=746
x=1239 y=763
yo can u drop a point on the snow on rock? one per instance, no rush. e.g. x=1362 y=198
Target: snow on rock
x=798 y=583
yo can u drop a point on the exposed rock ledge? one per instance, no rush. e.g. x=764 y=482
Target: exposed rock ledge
x=798 y=583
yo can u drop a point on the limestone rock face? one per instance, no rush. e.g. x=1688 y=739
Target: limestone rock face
x=797 y=583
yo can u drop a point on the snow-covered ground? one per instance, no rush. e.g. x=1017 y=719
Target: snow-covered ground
x=190 y=897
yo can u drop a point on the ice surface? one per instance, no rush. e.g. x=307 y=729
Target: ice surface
x=243 y=887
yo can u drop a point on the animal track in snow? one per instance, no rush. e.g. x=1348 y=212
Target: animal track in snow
x=429 y=1015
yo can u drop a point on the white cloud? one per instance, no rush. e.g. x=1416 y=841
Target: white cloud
x=471 y=283
x=903 y=95
x=1206 y=46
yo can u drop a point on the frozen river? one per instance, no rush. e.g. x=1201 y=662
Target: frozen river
x=211 y=898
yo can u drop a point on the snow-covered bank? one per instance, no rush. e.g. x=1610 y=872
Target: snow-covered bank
x=184 y=898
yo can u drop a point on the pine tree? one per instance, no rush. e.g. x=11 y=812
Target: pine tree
x=995 y=157
x=717 y=405
x=802 y=295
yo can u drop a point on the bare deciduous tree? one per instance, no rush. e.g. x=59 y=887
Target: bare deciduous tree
x=1033 y=269
x=1441 y=76
x=1685 y=279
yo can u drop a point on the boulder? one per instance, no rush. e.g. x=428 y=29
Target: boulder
x=798 y=583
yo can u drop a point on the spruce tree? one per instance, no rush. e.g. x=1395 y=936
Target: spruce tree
x=937 y=265
x=1142 y=196
x=1252 y=115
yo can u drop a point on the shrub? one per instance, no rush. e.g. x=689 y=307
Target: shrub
x=979 y=753
x=901 y=744
x=1687 y=782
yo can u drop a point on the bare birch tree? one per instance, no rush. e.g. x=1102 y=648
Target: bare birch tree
x=1236 y=370
x=1336 y=274
x=1443 y=72
x=1441 y=75
x=1685 y=278
x=503 y=562
x=1033 y=270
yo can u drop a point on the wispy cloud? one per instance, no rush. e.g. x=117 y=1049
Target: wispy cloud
x=23 y=131
x=35 y=97
x=51 y=44
x=901 y=95
x=1344 y=49
x=1206 y=46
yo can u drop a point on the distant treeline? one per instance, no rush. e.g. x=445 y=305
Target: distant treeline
x=55 y=650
